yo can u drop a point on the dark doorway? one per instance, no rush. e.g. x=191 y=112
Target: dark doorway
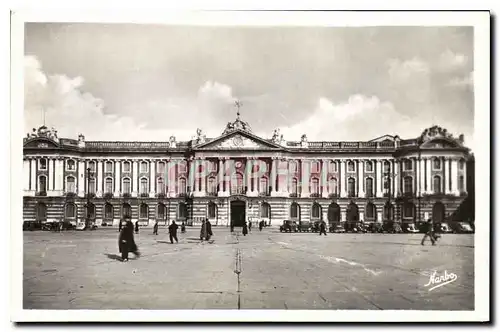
x=438 y=212
x=333 y=213
x=238 y=213
x=352 y=213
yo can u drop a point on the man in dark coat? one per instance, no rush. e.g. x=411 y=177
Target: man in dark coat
x=126 y=241
x=120 y=225
x=261 y=225
x=183 y=227
x=322 y=227
x=172 y=230
x=250 y=226
x=245 y=228
x=208 y=226
x=155 y=228
x=429 y=233
x=137 y=227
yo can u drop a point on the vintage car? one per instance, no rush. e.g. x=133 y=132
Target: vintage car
x=442 y=228
x=409 y=228
x=289 y=226
x=304 y=226
x=462 y=227
x=376 y=227
x=336 y=228
x=392 y=227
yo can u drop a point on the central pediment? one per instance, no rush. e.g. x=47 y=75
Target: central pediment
x=238 y=140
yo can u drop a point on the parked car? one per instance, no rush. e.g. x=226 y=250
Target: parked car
x=32 y=225
x=410 y=228
x=304 y=226
x=442 y=228
x=337 y=228
x=462 y=227
x=392 y=227
x=376 y=227
x=289 y=226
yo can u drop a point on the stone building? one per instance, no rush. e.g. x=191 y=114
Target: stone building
x=240 y=176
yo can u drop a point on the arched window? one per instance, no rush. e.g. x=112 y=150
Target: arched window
x=408 y=210
x=126 y=166
x=182 y=166
x=369 y=187
x=89 y=211
x=108 y=188
x=369 y=166
x=143 y=211
x=42 y=183
x=265 y=210
x=126 y=186
x=182 y=186
x=408 y=185
x=212 y=210
x=461 y=164
x=92 y=185
x=351 y=167
x=294 y=189
x=295 y=211
x=351 y=187
x=212 y=185
x=332 y=186
x=332 y=167
x=437 y=184
x=182 y=211
x=237 y=184
x=42 y=164
x=315 y=186
x=70 y=184
x=436 y=164
x=144 y=167
x=161 y=212
x=70 y=211
x=292 y=165
x=371 y=211
x=70 y=165
x=160 y=186
x=264 y=186
x=461 y=187
x=108 y=167
x=316 y=211
x=144 y=186
x=387 y=166
x=126 y=211
x=315 y=166
x=91 y=165
x=407 y=165
x=108 y=211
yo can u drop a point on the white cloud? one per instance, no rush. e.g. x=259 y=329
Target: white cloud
x=449 y=60
x=464 y=81
x=403 y=71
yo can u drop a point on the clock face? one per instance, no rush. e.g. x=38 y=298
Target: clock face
x=237 y=141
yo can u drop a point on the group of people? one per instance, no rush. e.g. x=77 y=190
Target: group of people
x=430 y=233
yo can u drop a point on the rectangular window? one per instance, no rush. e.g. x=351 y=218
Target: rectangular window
x=161 y=167
x=109 y=186
x=126 y=187
x=108 y=167
x=408 y=165
x=42 y=164
x=126 y=167
x=91 y=165
x=144 y=167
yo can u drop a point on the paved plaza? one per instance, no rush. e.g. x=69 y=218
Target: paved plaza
x=264 y=270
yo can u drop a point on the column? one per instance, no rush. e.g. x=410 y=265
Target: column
x=81 y=178
x=172 y=180
x=59 y=174
x=397 y=179
x=273 y=176
x=343 y=186
x=446 y=176
x=380 y=179
x=417 y=177
x=248 y=175
x=343 y=213
x=26 y=175
x=203 y=176
x=50 y=176
x=33 y=174
x=99 y=170
x=117 y=182
x=152 y=178
x=284 y=170
x=361 y=179
x=422 y=176
x=324 y=179
x=428 y=175
x=304 y=180
x=254 y=177
x=221 y=177
x=135 y=178
x=454 y=177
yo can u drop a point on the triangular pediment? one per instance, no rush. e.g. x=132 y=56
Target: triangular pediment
x=238 y=140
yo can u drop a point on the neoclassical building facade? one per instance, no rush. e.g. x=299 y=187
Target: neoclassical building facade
x=240 y=176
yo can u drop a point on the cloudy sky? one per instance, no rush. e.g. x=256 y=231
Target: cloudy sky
x=148 y=82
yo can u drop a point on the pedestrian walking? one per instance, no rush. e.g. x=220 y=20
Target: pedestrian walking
x=232 y=227
x=429 y=232
x=126 y=241
x=322 y=227
x=155 y=228
x=172 y=230
x=208 y=227
x=250 y=226
x=183 y=227
x=245 y=228
x=137 y=227
x=261 y=225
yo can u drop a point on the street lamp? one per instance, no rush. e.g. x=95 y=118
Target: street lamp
x=390 y=176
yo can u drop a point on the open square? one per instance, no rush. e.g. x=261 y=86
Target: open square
x=263 y=270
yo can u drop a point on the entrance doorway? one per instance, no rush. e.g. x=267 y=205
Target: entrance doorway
x=438 y=212
x=238 y=213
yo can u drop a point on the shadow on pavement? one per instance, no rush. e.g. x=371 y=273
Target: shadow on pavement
x=114 y=256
